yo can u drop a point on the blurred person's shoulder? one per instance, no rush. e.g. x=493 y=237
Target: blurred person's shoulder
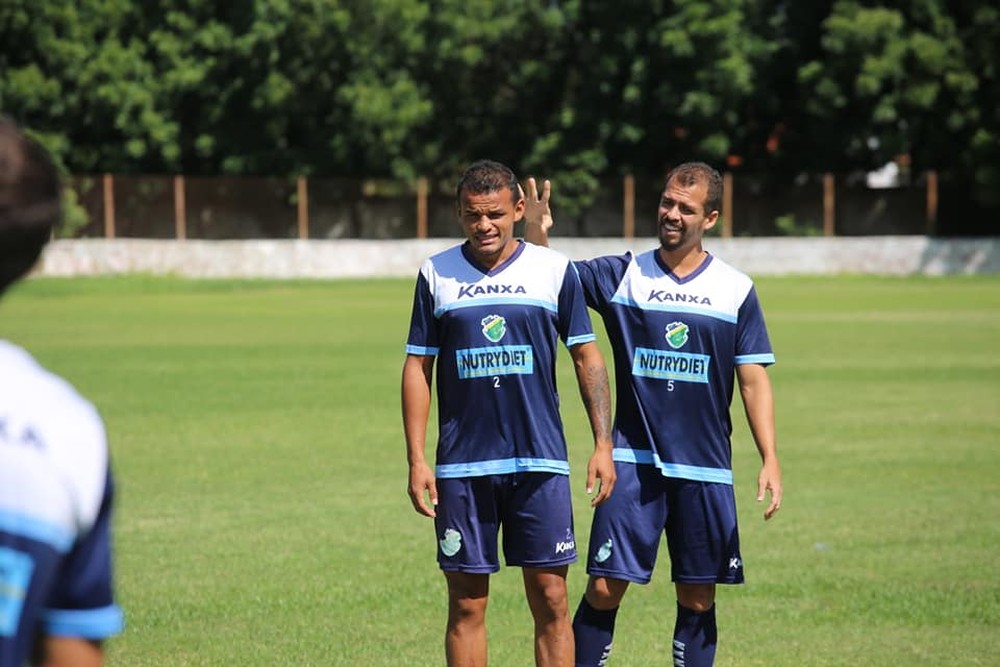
x=47 y=402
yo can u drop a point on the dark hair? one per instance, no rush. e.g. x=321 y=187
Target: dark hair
x=486 y=176
x=691 y=173
x=30 y=202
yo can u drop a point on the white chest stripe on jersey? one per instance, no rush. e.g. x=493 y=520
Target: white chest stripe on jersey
x=673 y=307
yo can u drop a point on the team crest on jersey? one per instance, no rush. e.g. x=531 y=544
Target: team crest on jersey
x=677 y=334
x=494 y=327
x=451 y=542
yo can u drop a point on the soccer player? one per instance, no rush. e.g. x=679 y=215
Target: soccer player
x=681 y=323
x=56 y=602
x=490 y=312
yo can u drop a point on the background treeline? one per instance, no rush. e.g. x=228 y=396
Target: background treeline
x=577 y=90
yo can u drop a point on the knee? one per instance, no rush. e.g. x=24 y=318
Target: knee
x=466 y=612
x=603 y=593
x=468 y=606
x=696 y=597
x=467 y=599
x=548 y=598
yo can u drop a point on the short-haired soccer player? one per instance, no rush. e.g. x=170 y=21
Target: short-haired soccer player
x=682 y=323
x=56 y=601
x=490 y=312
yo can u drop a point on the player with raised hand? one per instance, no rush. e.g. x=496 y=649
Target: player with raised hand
x=682 y=324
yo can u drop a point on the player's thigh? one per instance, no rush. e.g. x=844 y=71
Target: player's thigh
x=537 y=521
x=467 y=525
x=468 y=596
x=702 y=533
x=626 y=528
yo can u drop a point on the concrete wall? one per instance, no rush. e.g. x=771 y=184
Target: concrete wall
x=891 y=255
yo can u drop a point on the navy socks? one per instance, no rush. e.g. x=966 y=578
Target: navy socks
x=593 y=630
x=695 y=636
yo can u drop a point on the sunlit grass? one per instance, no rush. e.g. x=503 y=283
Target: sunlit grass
x=262 y=518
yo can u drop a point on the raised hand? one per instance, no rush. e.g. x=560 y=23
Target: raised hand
x=537 y=214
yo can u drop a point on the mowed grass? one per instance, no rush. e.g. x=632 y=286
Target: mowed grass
x=262 y=515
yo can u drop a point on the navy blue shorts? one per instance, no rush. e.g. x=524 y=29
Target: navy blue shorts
x=699 y=519
x=533 y=508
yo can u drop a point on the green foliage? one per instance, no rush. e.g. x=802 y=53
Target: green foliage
x=789 y=226
x=889 y=81
x=576 y=91
x=74 y=216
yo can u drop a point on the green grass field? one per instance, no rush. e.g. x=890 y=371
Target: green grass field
x=263 y=519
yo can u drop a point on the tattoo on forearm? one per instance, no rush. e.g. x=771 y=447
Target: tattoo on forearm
x=597 y=399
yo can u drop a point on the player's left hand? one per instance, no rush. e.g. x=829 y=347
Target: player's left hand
x=769 y=480
x=601 y=467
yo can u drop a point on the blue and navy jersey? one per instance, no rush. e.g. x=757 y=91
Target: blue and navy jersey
x=495 y=336
x=55 y=511
x=676 y=345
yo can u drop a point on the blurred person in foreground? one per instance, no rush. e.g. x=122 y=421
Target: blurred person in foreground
x=56 y=599
x=490 y=312
x=681 y=323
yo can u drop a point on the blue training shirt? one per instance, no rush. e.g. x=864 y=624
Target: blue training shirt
x=494 y=334
x=55 y=511
x=676 y=345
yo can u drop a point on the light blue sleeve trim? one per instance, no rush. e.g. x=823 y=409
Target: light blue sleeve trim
x=697 y=473
x=579 y=340
x=673 y=308
x=763 y=359
x=54 y=535
x=86 y=623
x=423 y=351
x=500 y=467
x=471 y=303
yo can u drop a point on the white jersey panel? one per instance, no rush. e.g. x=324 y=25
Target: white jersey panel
x=535 y=279
x=718 y=292
x=52 y=448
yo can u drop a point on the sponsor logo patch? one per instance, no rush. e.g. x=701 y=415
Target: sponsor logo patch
x=667 y=365
x=480 y=362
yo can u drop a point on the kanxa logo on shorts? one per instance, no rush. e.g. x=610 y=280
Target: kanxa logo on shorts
x=569 y=544
x=494 y=327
